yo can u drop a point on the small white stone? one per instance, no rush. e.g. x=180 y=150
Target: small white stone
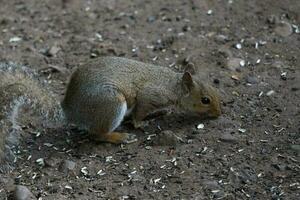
x=200 y=126
x=238 y=46
x=84 y=171
x=155 y=181
x=15 y=39
x=242 y=130
x=68 y=187
x=108 y=158
x=242 y=63
x=209 y=12
x=270 y=92
x=260 y=174
x=296 y=28
x=99 y=36
x=40 y=161
x=48 y=144
x=101 y=173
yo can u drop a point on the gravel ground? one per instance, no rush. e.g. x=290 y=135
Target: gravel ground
x=247 y=49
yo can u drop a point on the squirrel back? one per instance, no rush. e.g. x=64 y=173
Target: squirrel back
x=23 y=99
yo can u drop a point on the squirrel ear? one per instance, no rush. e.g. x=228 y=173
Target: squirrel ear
x=190 y=67
x=187 y=80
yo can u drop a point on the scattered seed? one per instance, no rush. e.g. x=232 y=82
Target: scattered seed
x=34 y=175
x=68 y=187
x=261 y=42
x=148 y=147
x=84 y=171
x=38 y=134
x=155 y=181
x=200 y=126
x=204 y=149
x=264 y=141
x=149 y=137
x=260 y=174
x=283 y=75
x=109 y=159
x=238 y=46
x=270 y=92
x=242 y=130
x=296 y=28
x=40 y=161
x=48 y=144
x=235 y=77
x=15 y=39
x=99 y=37
x=101 y=173
x=242 y=63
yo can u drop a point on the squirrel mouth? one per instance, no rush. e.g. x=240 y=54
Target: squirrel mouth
x=209 y=115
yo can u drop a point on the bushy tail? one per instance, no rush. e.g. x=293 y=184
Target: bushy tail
x=24 y=99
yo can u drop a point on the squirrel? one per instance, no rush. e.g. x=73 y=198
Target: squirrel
x=24 y=98
x=100 y=94
x=105 y=90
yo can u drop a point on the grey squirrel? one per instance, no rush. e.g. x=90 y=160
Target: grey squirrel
x=23 y=98
x=101 y=93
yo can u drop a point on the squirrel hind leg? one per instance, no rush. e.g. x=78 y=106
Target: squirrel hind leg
x=103 y=128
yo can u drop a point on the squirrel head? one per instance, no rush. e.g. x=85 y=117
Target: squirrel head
x=198 y=97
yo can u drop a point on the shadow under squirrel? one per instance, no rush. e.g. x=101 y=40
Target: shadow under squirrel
x=101 y=93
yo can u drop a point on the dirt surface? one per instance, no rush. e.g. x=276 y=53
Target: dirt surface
x=247 y=49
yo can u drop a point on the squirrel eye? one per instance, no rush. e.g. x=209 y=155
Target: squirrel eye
x=205 y=100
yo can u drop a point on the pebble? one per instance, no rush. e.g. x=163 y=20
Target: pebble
x=15 y=39
x=211 y=185
x=271 y=92
x=151 y=19
x=283 y=29
x=53 y=51
x=283 y=76
x=23 y=193
x=209 y=12
x=228 y=138
x=235 y=63
x=166 y=138
x=238 y=46
x=251 y=80
x=200 y=126
x=67 y=166
x=221 y=39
